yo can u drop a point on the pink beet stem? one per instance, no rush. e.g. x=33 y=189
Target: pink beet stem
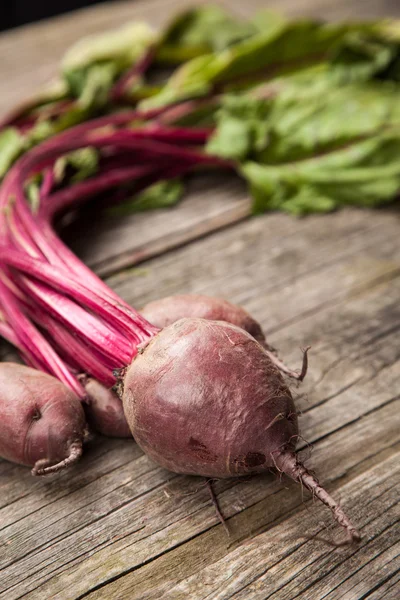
x=62 y=281
x=75 y=352
x=33 y=343
x=74 y=195
x=47 y=184
x=7 y=333
x=130 y=77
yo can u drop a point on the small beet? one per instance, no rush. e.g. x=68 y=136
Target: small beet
x=204 y=398
x=166 y=311
x=42 y=422
x=104 y=410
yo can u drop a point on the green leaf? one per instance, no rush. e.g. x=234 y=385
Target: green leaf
x=92 y=65
x=162 y=194
x=367 y=173
x=309 y=115
x=84 y=163
x=98 y=82
x=242 y=127
x=122 y=46
x=201 y=30
x=281 y=46
x=362 y=56
x=304 y=121
x=12 y=144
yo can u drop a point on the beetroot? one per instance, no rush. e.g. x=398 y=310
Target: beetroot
x=168 y=310
x=42 y=422
x=204 y=398
x=104 y=410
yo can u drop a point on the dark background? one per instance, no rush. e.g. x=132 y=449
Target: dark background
x=18 y=12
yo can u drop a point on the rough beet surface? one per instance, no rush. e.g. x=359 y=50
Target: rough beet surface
x=166 y=311
x=42 y=423
x=204 y=398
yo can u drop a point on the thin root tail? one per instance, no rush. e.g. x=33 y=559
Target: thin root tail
x=44 y=466
x=289 y=464
x=214 y=500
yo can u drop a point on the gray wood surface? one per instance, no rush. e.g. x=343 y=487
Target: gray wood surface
x=117 y=526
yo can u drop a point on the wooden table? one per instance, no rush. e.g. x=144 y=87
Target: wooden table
x=117 y=526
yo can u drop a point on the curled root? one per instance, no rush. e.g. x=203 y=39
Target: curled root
x=304 y=366
x=286 y=370
x=44 y=466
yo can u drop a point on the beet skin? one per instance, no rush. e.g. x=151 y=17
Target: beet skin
x=166 y=311
x=204 y=399
x=42 y=423
x=104 y=410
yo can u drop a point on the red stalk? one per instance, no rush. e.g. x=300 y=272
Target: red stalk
x=72 y=196
x=134 y=73
x=33 y=343
x=72 y=347
x=7 y=333
x=66 y=283
x=89 y=326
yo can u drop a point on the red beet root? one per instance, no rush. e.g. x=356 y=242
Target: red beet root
x=204 y=398
x=104 y=411
x=42 y=422
x=166 y=311
x=172 y=308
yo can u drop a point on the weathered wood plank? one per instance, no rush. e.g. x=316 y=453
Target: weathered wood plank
x=96 y=552
x=274 y=556
x=378 y=564
x=389 y=590
x=108 y=244
x=324 y=9
x=272 y=255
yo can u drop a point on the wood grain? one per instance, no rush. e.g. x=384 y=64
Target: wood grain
x=118 y=526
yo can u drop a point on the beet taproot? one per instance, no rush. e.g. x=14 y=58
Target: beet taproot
x=166 y=311
x=42 y=422
x=204 y=398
